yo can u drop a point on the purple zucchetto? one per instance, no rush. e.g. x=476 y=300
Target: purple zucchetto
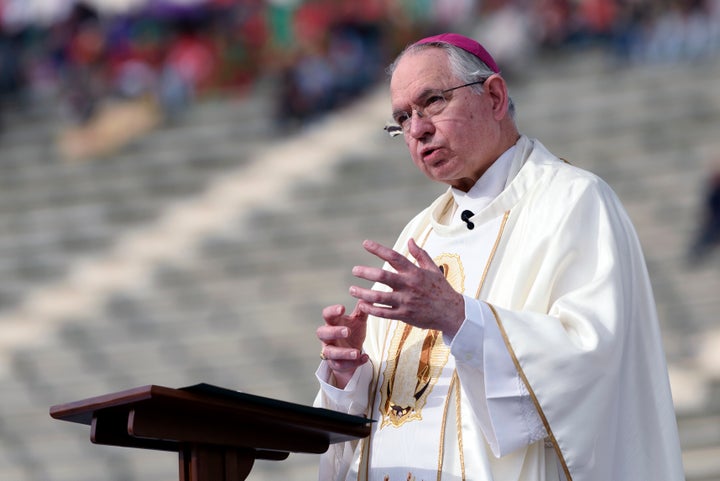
x=465 y=43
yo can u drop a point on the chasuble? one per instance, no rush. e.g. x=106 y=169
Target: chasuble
x=558 y=371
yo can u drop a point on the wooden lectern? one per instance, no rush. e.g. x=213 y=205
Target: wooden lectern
x=218 y=433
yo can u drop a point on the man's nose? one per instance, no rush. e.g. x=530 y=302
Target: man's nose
x=420 y=124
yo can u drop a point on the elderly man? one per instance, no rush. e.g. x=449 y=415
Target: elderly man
x=511 y=334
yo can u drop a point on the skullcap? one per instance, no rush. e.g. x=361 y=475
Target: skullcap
x=465 y=43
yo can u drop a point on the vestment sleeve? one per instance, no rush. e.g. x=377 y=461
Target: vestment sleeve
x=335 y=462
x=501 y=404
x=351 y=400
x=574 y=305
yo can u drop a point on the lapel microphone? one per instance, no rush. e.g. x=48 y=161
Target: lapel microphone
x=465 y=216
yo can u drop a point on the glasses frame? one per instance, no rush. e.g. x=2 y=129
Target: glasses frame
x=394 y=129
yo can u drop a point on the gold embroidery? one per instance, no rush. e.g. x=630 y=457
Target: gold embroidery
x=455 y=382
x=410 y=477
x=443 y=423
x=410 y=373
x=458 y=422
x=365 y=453
x=417 y=357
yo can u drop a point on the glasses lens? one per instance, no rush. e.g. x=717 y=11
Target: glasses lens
x=402 y=119
x=435 y=105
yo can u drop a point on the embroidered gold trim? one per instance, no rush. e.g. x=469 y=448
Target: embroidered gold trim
x=492 y=254
x=458 y=426
x=456 y=385
x=403 y=398
x=443 y=423
x=534 y=398
x=365 y=443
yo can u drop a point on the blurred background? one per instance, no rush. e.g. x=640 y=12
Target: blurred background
x=185 y=184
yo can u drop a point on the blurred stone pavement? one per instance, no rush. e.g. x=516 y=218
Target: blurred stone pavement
x=205 y=251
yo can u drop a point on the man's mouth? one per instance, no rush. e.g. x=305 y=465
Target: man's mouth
x=431 y=156
x=428 y=152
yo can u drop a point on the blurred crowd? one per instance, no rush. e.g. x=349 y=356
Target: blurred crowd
x=150 y=62
x=630 y=31
x=321 y=53
x=170 y=53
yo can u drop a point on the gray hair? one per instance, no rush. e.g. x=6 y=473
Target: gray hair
x=464 y=65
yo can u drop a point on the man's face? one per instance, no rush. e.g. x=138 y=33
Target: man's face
x=457 y=145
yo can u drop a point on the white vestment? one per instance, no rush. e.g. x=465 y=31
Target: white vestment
x=560 y=317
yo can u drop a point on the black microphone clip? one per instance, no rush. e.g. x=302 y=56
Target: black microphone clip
x=465 y=216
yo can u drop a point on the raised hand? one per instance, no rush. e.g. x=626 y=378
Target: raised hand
x=342 y=337
x=420 y=295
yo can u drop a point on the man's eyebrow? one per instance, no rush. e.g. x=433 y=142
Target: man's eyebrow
x=424 y=95
x=427 y=92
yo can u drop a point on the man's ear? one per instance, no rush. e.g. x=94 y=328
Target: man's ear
x=496 y=89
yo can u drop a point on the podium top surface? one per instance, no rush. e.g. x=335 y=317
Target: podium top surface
x=209 y=398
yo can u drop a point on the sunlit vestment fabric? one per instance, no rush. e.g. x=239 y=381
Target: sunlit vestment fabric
x=568 y=292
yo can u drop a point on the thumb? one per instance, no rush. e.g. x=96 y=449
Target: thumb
x=358 y=313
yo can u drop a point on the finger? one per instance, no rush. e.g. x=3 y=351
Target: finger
x=358 y=313
x=371 y=296
x=376 y=274
x=329 y=334
x=336 y=353
x=398 y=261
x=332 y=314
x=421 y=256
x=384 y=312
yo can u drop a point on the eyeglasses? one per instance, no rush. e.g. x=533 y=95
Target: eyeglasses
x=431 y=104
